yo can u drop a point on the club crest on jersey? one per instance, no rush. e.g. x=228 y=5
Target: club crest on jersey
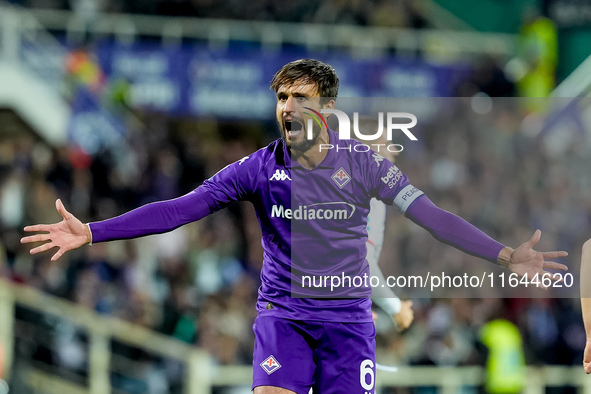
x=341 y=178
x=270 y=365
x=279 y=175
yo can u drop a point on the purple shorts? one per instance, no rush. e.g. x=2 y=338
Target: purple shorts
x=327 y=356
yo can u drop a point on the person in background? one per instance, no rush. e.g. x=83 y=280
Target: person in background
x=400 y=311
x=505 y=361
x=538 y=50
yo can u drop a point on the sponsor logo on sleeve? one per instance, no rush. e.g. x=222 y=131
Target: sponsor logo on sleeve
x=392 y=177
x=378 y=158
x=242 y=160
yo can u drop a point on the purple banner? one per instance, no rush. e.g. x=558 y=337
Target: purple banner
x=234 y=83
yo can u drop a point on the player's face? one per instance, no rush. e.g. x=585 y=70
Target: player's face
x=292 y=115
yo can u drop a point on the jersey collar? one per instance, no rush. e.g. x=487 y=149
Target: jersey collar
x=328 y=162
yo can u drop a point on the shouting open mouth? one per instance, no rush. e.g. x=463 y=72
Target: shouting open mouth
x=293 y=127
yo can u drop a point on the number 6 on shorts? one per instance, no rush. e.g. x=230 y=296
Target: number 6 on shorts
x=366 y=369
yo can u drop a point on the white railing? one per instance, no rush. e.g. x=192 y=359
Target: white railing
x=101 y=330
x=364 y=41
x=32 y=74
x=200 y=374
x=578 y=83
x=33 y=78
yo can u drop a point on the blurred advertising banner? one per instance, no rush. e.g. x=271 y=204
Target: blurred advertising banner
x=196 y=80
x=92 y=127
x=570 y=13
x=155 y=76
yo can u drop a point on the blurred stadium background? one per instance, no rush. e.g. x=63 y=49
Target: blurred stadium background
x=112 y=104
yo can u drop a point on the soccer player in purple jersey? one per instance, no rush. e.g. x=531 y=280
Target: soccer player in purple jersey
x=316 y=201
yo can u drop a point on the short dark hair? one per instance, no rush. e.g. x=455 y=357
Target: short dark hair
x=309 y=70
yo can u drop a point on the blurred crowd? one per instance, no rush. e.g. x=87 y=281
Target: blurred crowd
x=381 y=13
x=199 y=283
x=508 y=179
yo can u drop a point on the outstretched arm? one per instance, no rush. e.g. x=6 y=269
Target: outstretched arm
x=232 y=183
x=586 y=301
x=153 y=218
x=455 y=231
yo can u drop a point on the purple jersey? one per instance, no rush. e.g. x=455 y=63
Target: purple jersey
x=313 y=223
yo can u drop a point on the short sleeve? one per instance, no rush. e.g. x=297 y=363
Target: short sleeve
x=390 y=185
